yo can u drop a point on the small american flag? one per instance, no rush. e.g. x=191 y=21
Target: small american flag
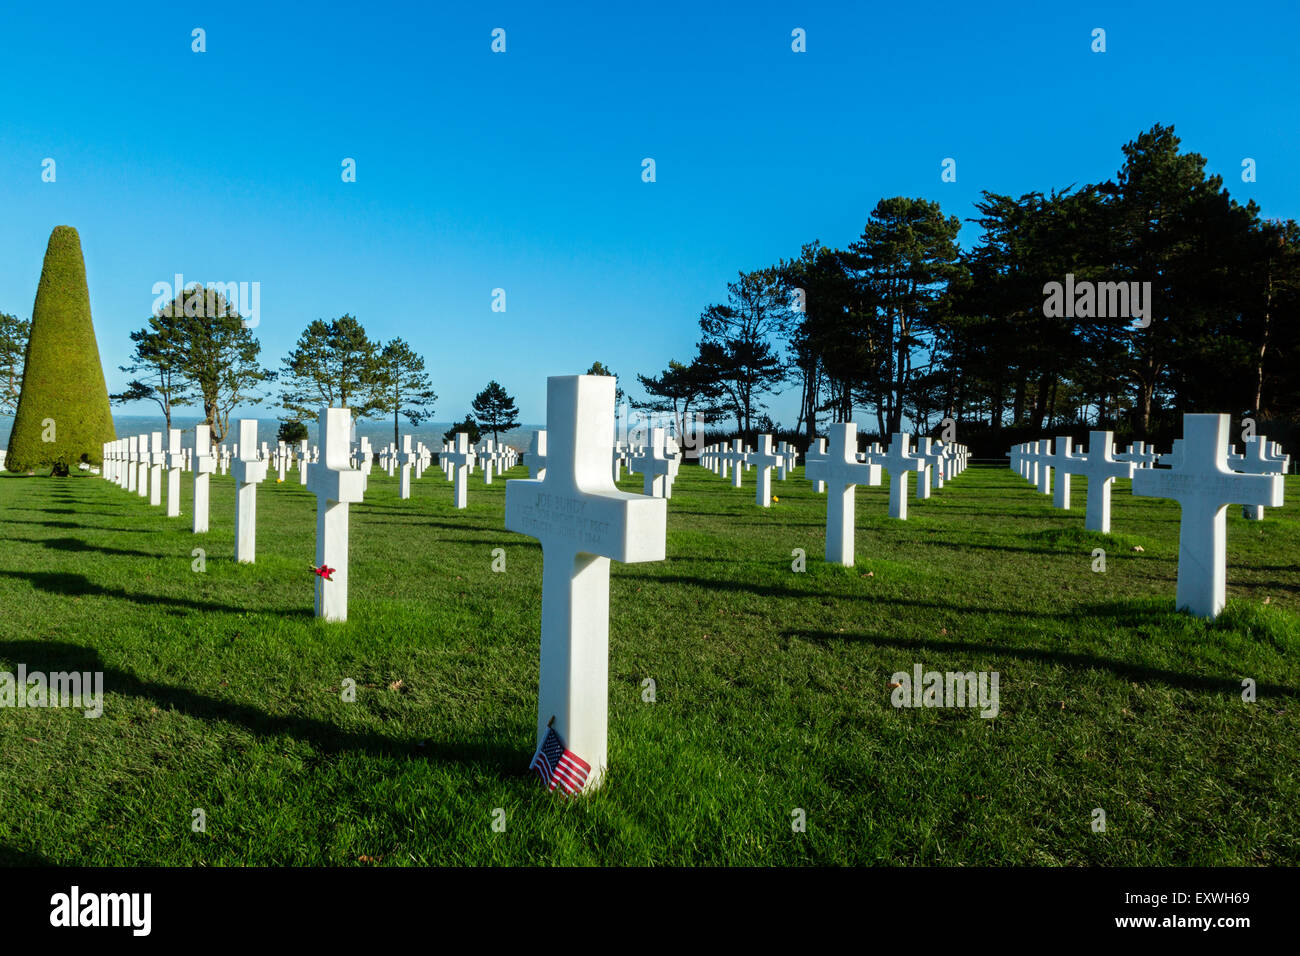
x=556 y=765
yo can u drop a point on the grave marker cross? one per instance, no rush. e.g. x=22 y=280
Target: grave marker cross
x=900 y=462
x=249 y=471
x=336 y=484
x=764 y=459
x=583 y=522
x=841 y=473
x=461 y=459
x=1101 y=469
x=1204 y=487
x=204 y=465
x=175 y=461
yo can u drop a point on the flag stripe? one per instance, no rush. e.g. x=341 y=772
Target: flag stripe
x=559 y=767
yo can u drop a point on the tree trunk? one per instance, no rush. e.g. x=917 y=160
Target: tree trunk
x=1258 y=405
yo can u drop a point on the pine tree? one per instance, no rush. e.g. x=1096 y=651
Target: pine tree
x=495 y=410
x=63 y=415
x=405 y=386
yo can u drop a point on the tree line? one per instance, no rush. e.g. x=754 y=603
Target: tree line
x=903 y=324
x=900 y=325
x=199 y=351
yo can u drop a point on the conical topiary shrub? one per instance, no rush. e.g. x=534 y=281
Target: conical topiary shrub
x=63 y=415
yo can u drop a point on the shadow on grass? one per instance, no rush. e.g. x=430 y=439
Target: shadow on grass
x=78 y=585
x=484 y=752
x=79 y=546
x=13 y=857
x=75 y=526
x=1131 y=672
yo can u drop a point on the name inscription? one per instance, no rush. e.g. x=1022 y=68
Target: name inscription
x=557 y=518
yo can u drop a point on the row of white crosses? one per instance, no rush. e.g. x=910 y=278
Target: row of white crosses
x=931 y=461
x=136 y=464
x=723 y=459
x=840 y=469
x=457 y=458
x=1261 y=457
x=657 y=462
x=1202 y=477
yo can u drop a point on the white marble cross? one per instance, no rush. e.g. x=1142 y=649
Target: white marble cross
x=336 y=484
x=764 y=459
x=618 y=455
x=367 y=457
x=249 y=471
x=157 y=458
x=816 y=453
x=1204 y=487
x=931 y=455
x=736 y=457
x=673 y=452
x=583 y=522
x=1065 y=462
x=461 y=459
x=175 y=461
x=536 y=457
x=407 y=462
x=946 y=454
x=1140 y=455
x=1255 y=461
x=721 y=467
x=1031 y=462
x=840 y=472
x=140 y=465
x=204 y=465
x=654 y=465
x=1101 y=469
x=900 y=462
x=487 y=458
x=788 y=459
x=1044 y=460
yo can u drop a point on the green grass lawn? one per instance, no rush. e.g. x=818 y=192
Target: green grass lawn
x=224 y=693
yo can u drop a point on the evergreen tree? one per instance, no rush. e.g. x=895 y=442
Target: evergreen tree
x=468 y=426
x=678 y=390
x=495 y=410
x=14 y=333
x=291 y=432
x=221 y=360
x=334 y=364
x=406 y=388
x=159 y=355
x=736 y=350
x=63 y=415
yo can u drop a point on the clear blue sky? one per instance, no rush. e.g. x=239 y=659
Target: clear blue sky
x=523 y=170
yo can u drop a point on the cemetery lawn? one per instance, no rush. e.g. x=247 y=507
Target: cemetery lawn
x=223 y=693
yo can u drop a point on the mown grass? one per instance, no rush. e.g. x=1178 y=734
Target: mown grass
x=223 y=692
